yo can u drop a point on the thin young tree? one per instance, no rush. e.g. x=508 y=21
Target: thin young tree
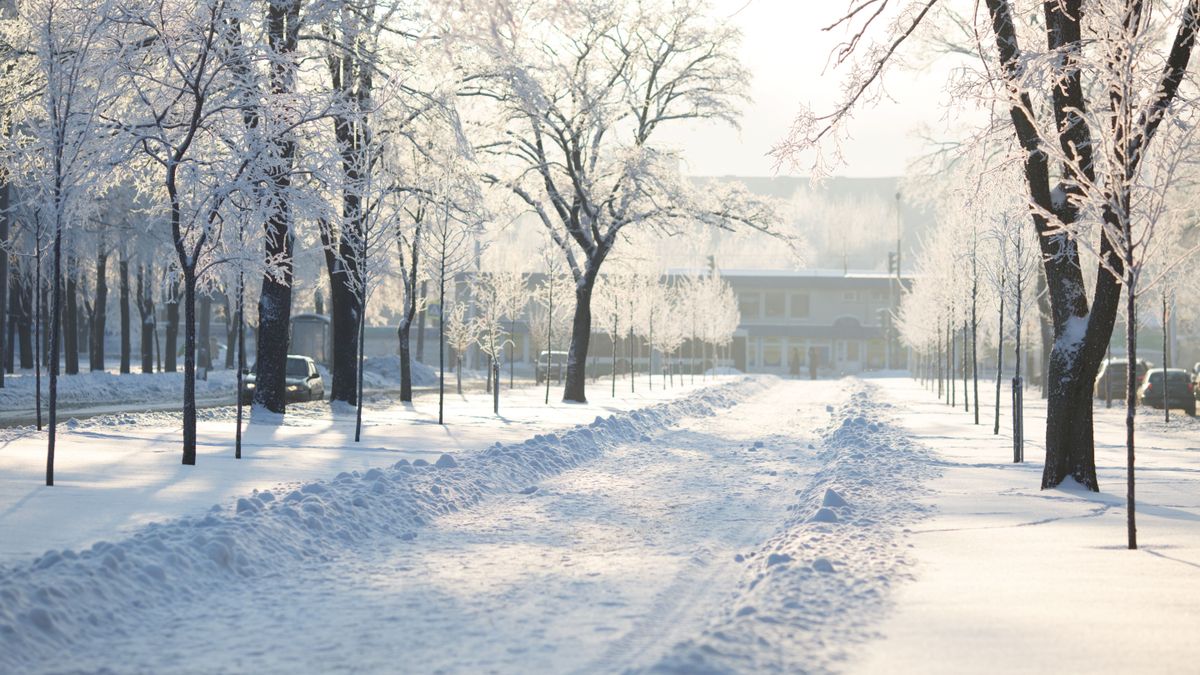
x=450 y=238
x=460 y=333
x=186 y=122
x=67 y=145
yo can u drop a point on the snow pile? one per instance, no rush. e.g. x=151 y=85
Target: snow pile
x=816 y=589
x=64 y=597
x=111 y=388
x=384 y=372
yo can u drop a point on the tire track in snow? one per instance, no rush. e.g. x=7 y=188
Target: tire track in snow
x=822 y=583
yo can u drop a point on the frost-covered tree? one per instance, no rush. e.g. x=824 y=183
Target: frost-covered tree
x=551 y=309
x=67 y=146
x=450 y=240
x=492 y=336
x=1087 y=87
x=581 y=92
x=460 y=334
x=184 y=120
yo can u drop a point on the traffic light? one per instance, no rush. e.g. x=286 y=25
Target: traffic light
x=891 y=262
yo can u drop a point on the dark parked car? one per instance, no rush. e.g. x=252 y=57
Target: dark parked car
x=1113 y=377
x=1180 y=390
x=304 y=383
x=553 y=364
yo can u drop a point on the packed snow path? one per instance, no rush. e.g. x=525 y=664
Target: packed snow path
x=694 y=535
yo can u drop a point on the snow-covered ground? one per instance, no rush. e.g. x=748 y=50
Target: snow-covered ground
x=751 y=525
x=1010 y=578
x=104 y=392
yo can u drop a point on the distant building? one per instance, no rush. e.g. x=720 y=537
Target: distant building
x=841 y=319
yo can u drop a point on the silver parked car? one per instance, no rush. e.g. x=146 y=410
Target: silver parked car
x=303 y=382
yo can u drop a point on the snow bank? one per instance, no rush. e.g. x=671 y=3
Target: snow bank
x=384 y=371
x=110 y=388
x=817 y=588
x=67 y=596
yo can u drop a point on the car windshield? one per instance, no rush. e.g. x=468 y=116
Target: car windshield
x=1173 y=377
x=297 y=368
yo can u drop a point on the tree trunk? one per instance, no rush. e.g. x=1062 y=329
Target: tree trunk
x=5 y=305
x=274 y=315
x=613 y=339
x=549 y=338
x=189 y=366
x=126 y=337
x=421 y=324
x=39 y=329
x=581 y=334
x=241 y=359
x=70 y=316
x=512 y=347
x=1045 y=328
x=54 y=348
x=99 y=314
x=344 y=302
x=204 y=333
x=172 y=348
x=275 y=298
x=939 y=360
x=405 y=328
x=352 y=84
x=406 y=393
x=1131 y=398
x=22 y=301
x=496 y=391
x=233 y=321
x=950 y=365
x=1166 y=408
x=145 y=305
x=442 y=343
x=7 y=356
x=965 y=371
x=999 y=359
x=975 y=332
x=360 y=348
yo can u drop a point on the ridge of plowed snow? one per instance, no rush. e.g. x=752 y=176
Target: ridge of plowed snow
x=63 y=596
x=816 y=589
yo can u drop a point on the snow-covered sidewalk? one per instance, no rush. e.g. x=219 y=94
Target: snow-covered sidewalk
x=119 y=472
x=1010 y=578
x=165 y=575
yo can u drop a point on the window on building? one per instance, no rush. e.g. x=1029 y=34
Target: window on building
x=850 y=296
x=772 y=352
x=775 y=305
x=877 y=296
x=852 y=351
x=748 y=306
x=799 y=306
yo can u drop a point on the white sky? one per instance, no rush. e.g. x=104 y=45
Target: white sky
x=786 y=51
